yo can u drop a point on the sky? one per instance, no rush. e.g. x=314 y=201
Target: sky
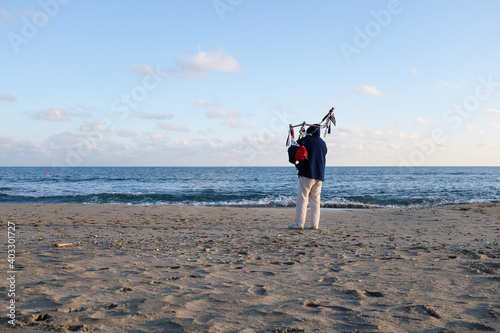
x=217 y=82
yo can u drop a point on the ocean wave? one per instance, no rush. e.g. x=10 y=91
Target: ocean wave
x=344 y=187
x=346 y=203
x=233 y=200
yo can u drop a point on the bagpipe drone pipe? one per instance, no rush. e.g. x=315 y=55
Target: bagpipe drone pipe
x=329 y=118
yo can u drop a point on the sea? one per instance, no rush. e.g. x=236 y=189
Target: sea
x=344 y=187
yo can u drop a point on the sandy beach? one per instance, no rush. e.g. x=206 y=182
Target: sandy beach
x=202 y=269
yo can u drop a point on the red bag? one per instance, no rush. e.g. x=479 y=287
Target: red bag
x=301 y=154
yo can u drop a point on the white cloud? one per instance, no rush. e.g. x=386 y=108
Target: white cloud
x=351 y=131
x=414 y=71
x=4 y=15
x=235 y=123
x=58 y=114
x=8 y=144
x=422 y=121
x=409 y=136
x=231 y=116
x=157 y=137
x=149 y=115
x=494 y=112
x=222 y=113
x=379 y=134
x=368 y=90
x=355 y=132
x=216 y=144
x=95 y=127
x=496 y=125
x=201 y=102
x=54 y=114
x=7 y=98
x=395 y=146
x=203 y=63
x=173 y=128
x=486 y=144
x=446 y=84
x=62 y=140
x=204 y=103
x=124 y=133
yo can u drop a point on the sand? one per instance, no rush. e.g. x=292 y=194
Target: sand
x=201 y=269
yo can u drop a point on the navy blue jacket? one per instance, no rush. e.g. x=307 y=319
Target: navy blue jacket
x=314 y=166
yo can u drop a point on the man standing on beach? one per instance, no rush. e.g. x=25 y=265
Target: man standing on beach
x=311 y=177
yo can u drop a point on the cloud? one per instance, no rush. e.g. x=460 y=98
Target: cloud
x=379 y=134
x=494 y=112
x=54 y=114
x=58 y=114
x=157 y=116
x=351 y=131
x=157 y=137
x=231 y=116
x=16 y=152
x=409 y=136
x=173 y=128
x=414 y=71
x=7 y=98
x=95 y=127
x=422 y=121
x=203 y=63
x=8 y=144
x=4 y=15
x=222 y=113
x=124 y=133
x=201 y=102
x=497 y=125
x=361 y=133
x=446 y=84
x=368 y=90
x=485 y=144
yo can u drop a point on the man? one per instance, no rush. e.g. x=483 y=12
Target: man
x=311 y=177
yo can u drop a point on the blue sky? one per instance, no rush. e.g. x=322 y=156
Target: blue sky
x=195 y=83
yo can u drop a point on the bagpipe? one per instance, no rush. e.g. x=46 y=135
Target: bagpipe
x=330 y=119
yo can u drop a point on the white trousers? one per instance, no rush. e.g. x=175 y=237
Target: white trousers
x=309 y=191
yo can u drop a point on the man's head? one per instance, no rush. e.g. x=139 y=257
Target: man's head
x=313 y=130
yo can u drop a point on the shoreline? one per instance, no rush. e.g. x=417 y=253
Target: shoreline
x=358 y=206
x=238 y=269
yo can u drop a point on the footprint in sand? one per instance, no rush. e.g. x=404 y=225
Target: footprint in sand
x=265 y=273
x=259 y=290
x=328 y=279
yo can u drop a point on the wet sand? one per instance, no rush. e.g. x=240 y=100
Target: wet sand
x=200 y=269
